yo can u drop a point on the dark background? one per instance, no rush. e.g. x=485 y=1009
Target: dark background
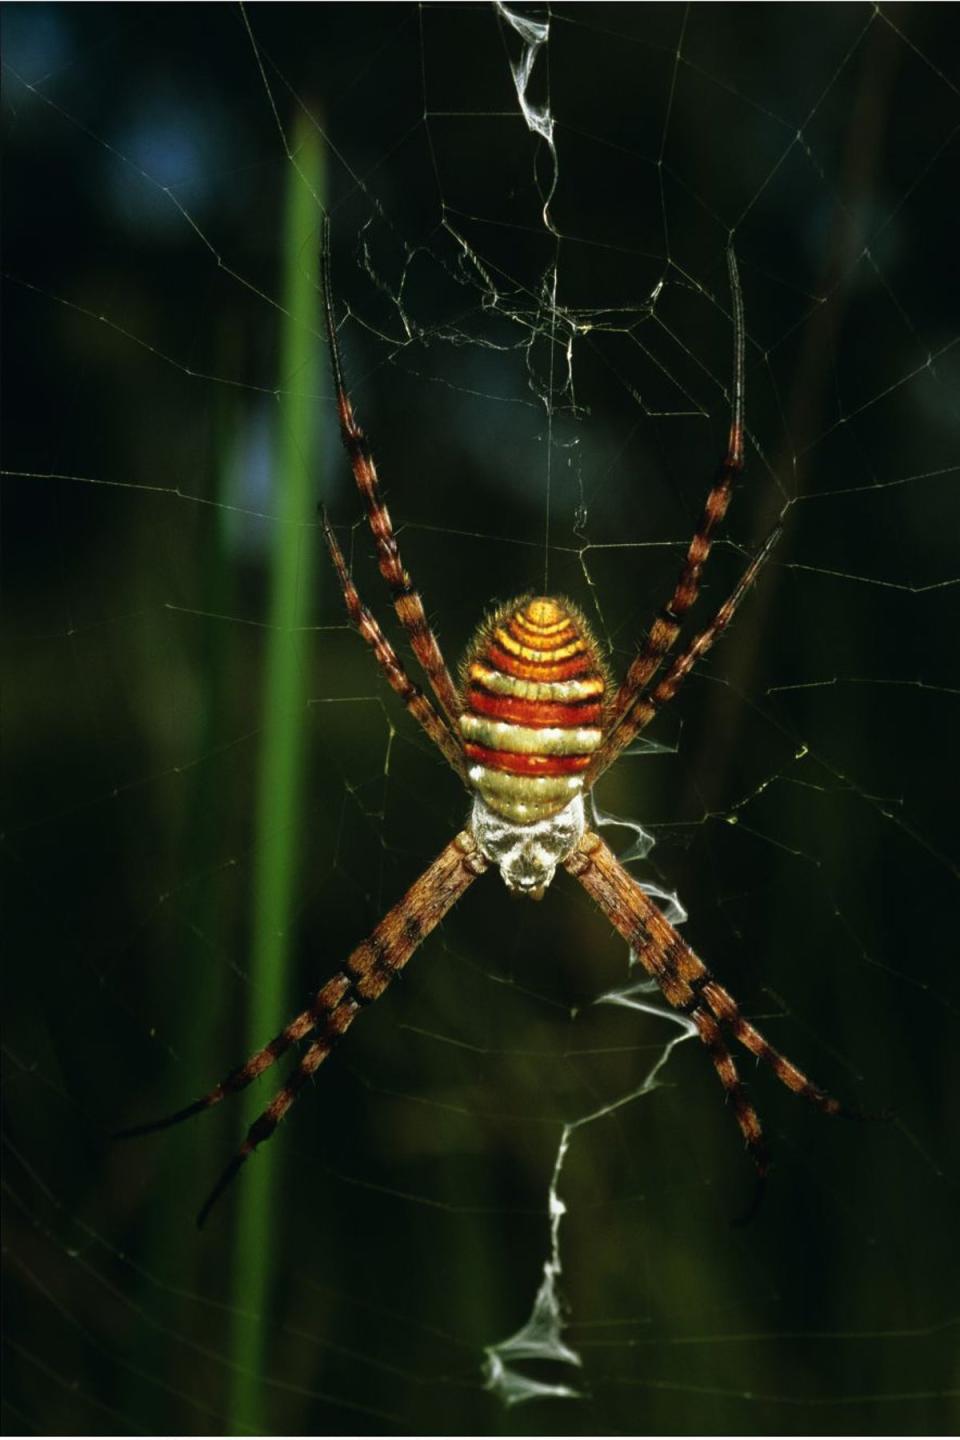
x=803 y=808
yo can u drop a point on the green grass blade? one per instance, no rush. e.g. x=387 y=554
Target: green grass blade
x=281 y=780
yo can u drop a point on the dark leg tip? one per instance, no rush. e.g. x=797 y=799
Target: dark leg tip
x=222 y=1184
x=132 y=1132
x=853 y=1112
x=756 y=1200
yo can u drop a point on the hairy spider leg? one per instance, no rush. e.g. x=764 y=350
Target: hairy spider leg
x=363 y=979
x=412 y=696
x=674 y=967
x=406 y=599
x=744 y=1112
x=665 y=629
x=689 y=986
x=645 y=707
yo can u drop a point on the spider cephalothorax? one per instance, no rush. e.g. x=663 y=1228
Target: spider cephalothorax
x=533 y=725
x=528 y=854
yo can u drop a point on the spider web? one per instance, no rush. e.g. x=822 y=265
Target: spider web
x=506 y=1203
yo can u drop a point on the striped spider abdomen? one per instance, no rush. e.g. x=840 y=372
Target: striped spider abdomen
x=534 y=690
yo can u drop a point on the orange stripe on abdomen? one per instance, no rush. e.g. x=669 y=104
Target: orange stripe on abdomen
x=515 y=764
x=523 y=669
x=534 y=713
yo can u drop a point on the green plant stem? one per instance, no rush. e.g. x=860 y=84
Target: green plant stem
x=281 y=775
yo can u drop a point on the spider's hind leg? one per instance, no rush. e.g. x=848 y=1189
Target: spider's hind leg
x=665 y=630
x=413 y=698
x=406 y=598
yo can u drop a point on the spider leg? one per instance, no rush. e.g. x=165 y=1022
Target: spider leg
x=726 y=1009
x=665 y=629
x=645 y=707
x=688 y=985
x=265 y=1124
x=406 y=599
x=364 y=977
x=323 y=1005
x=411 y=695
x=746 y=1116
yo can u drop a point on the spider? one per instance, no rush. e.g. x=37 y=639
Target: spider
x=529 y=730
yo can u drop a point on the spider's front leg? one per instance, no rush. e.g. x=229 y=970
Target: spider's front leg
x=689 y=987
x=365 y=975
